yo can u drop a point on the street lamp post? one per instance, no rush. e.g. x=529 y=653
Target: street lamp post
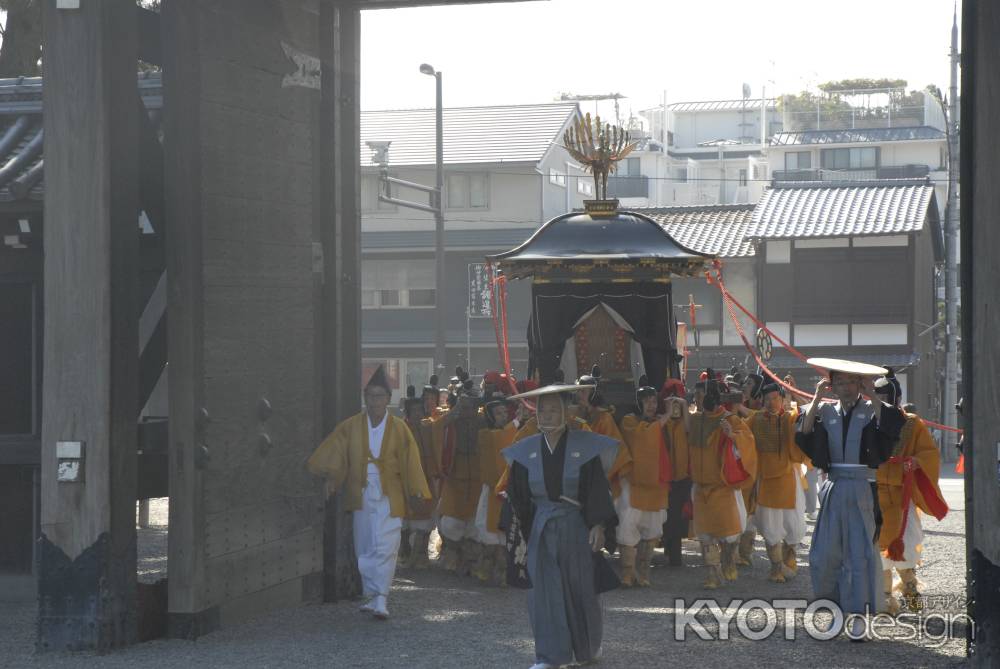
x=439 y=330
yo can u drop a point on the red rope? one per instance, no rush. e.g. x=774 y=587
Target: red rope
x=730 y=301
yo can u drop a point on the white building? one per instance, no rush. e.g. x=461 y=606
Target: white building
x=506 y=173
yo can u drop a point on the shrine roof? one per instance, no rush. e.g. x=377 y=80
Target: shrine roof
x=626 y=245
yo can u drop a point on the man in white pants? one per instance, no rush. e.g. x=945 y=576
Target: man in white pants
x=780 y=513
x=373 y=457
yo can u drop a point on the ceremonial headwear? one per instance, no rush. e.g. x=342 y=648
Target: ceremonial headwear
x=412 y=400
x=551 y=389
x=888 y=386
x=643 y=390
x=771 y=387
x=431 y=387
x=380 y=380
x=847 y=367
x=592 y=379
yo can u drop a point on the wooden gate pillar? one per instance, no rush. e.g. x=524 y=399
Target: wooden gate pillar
x=90 y=383
x=338 y=229
x=980 y=164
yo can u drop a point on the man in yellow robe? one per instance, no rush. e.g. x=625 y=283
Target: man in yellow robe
x=780 y=511
x=917 y=449
x=593 y=411
x=424 y=421
x=719 y=512
x=374 y=459
x=460 y=548
x=497 y=435
x=642 y=506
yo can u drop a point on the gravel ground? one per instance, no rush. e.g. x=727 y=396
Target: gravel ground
x=444 y=621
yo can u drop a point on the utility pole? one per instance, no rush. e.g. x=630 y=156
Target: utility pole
x=951 y=298
x=380 y=156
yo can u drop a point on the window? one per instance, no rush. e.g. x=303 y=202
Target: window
x=633 y=167
x=468 y=190
x=584 y=186
x=743 y=177
x=392 y=284
x=850 y=159
x=369 y=196
x=556 y=177
x=17 y=364
x=798 y=160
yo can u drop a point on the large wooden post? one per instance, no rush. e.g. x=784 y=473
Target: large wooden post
x=87 y=547
x=980 y=150
x=338 y=229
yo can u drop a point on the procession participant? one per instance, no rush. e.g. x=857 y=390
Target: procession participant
x=751 y=404
x=717 y=438
x=849 y=439
x=496 y=435
x=780 y=499
x=642 y=506
x=559 y=491
x=530 y=425
x=460 y=549
x=373 y=457
x=901 y=542
x=593 y=411
x=425 y=422
x=413 y=414
x=678 y=522
x=811 y=484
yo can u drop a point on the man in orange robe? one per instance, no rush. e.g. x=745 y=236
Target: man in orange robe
x=915 y=447
x=780 y=511
x=496 y=435
x=713 y=436
x=642 y=506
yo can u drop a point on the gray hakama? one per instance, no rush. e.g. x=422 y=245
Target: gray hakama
x=563 y=606
x=844 y=559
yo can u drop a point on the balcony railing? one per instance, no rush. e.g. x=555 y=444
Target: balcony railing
x=887 y=172
x=630 y=186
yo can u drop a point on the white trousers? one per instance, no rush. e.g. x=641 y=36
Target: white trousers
x=913 y=539
x=455 y=529
x=788 y=525
x=376 y=540
x=635 y=525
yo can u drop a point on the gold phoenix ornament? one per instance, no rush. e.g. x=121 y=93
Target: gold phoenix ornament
x=598 y=148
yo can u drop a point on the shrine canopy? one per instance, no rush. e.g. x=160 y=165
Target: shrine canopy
x=620 y=260
x=591 y=247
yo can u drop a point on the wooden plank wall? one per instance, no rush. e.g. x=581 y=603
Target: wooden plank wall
x=255 y=514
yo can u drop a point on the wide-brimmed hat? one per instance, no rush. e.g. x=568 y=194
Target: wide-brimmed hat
x=848 y=366
x=552 y=389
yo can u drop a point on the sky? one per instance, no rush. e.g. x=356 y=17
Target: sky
x=529 y=52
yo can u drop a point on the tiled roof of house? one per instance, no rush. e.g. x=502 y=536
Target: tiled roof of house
x=856 y=136
x=502 y=134
x=796 y=210
x=714 y=229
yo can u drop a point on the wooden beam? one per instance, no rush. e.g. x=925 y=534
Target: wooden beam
x=185 y=334
x=87 y=547
x=338 y=228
